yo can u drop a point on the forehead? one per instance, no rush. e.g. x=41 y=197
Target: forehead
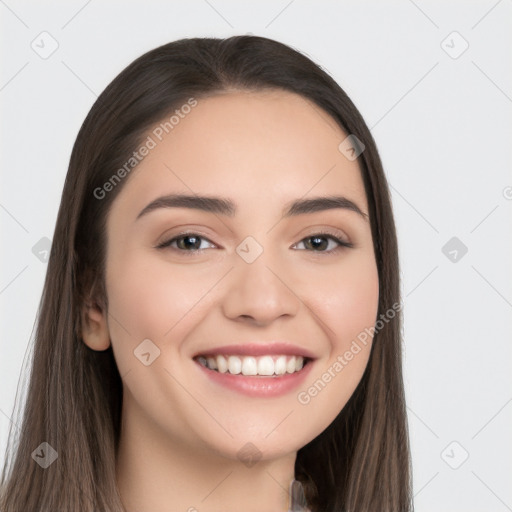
x=248 y=146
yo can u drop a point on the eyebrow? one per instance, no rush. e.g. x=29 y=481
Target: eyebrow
x=224 y=206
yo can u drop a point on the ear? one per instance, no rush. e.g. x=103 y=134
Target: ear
x=95 y=332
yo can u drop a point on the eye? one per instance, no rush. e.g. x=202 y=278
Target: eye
x=320 y=242
x=186 y=242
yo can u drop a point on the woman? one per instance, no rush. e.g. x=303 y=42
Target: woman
x=220 y=322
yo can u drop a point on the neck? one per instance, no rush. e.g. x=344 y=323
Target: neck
x=157 y=473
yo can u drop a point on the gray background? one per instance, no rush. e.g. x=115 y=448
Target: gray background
x=441 y=117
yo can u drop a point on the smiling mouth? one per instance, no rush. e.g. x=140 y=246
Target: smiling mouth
x=260 y=366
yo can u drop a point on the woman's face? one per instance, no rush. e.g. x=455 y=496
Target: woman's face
x=248 y=286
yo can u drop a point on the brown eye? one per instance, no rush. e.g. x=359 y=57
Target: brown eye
x=319 y=242
x=188 y=242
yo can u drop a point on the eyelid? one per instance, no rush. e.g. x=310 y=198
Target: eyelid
x=167 y=240
x=341 y=241
x=328 y=231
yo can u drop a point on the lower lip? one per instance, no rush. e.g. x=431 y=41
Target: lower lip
x=259 y=386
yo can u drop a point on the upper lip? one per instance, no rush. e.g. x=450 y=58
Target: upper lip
x=258 y=349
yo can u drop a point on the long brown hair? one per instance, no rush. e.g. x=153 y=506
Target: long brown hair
x=361 y=462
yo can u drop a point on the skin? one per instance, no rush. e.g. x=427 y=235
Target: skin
x=181 y=433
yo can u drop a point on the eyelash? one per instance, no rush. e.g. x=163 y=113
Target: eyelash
x=325 y=234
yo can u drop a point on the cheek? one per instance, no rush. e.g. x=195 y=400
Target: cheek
x=347 y=304
x=346 y=297
x=150 y=300
x=354 y=303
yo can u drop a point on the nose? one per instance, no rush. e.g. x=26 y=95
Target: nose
x=260 y=292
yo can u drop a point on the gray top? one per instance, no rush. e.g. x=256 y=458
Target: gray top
x=297 y=498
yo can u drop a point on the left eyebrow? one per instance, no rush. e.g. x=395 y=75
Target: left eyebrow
x=317 y=204
x=225 y=206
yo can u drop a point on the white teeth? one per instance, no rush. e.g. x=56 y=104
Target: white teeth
x=234 y=365
x=290 y=365
x=265 y=365
x=280 y=365
x=249 y=365
x=222 y=364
